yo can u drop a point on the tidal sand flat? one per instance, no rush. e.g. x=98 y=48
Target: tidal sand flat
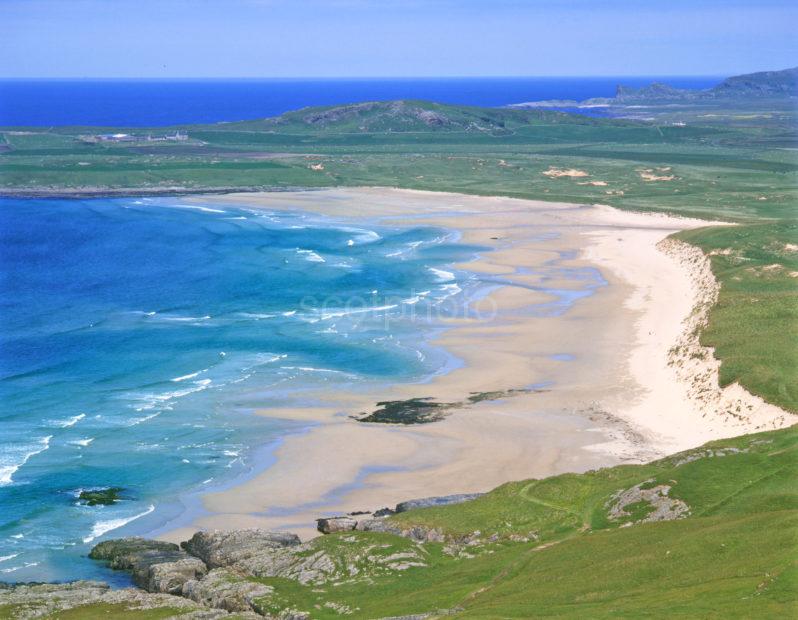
x=565 y=361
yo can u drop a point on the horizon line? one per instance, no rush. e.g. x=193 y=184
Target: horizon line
x=368 y=77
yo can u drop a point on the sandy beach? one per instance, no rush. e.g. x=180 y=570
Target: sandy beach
x=614 y=389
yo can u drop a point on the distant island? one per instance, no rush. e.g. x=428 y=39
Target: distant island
x=763 y=84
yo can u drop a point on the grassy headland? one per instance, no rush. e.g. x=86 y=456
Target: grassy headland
x=560 y=547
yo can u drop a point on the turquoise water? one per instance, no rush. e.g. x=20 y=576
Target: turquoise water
x=139 y=336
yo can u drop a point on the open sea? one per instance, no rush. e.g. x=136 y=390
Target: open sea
x=143 y=103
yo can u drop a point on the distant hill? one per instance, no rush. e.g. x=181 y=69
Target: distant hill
x=405 y=116
x=769 y=83
x=764 y=84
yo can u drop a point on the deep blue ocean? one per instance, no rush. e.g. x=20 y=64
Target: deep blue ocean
x=167 y=102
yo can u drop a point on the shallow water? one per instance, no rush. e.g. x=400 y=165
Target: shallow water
x=138 y=336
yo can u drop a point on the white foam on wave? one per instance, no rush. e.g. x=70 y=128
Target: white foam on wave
x=103 y=527
x=16 y=568
x=449 y=290
x=197 y=208
x=256 y=315
x=16 y=456
x=348 y=311
x=361 y=236
x=189 y=376
x=311 y=256
x=137 y=421
x=441 y=275
x=5 y=558
x=69 y=421
x=82 y=442
x=150 y=401
x=289 y=313
x=184 y=319
x=322 y=370
x=407 y=249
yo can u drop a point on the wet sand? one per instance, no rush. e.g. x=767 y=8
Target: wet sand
x=613 y=396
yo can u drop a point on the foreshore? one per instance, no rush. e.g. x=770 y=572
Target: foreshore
x=615 y=389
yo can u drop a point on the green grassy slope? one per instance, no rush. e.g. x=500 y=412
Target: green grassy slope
x=560 y=548
x=734 y=556
x=754 y=325
x=734 y=162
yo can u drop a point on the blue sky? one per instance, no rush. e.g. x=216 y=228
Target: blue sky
x=329 y=38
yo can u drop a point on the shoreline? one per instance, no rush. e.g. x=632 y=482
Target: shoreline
x=605 y=406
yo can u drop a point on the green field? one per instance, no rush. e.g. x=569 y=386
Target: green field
x=731 y=161
x=732 y=557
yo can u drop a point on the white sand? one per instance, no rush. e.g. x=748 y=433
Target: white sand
x=623 y=398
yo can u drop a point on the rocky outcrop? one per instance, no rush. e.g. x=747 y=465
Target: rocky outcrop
x=155 y=566
x=237 y=547
x=331 y=525
x=221 y=570
x=375 y=521
x=443 y=500
x=659 y=505
x=221 y=588
x=48 y=599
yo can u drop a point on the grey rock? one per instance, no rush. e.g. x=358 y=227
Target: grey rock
x=119 y=549
x=383 y=512
x=44 y=600
x=330 y=525
x=417 y=533
x=379 y=525
x=663 y=507
x=155 y=566
x=221 y=588
x=443 y=500
x=169 y=577
x=223 y=549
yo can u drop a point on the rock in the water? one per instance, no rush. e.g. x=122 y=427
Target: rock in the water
x=443 y=500
x=223 y=549
x=100 y=497
x=221 y=588
x=155 y=566
x=119 y=548
x=330 y=525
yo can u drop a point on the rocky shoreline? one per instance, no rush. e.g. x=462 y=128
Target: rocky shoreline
x=215 y=574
